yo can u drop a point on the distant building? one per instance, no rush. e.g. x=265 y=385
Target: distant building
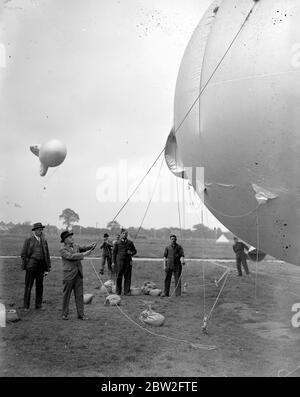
x=222 y=239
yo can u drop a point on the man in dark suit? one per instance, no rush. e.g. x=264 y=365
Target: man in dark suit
x=123 y=251
x=71 y=255
x=36 y=261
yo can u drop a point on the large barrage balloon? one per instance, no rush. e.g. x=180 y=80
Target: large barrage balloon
x=237 y=116
x=51 y=154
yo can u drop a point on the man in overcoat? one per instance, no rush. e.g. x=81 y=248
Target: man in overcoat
x=36 y=262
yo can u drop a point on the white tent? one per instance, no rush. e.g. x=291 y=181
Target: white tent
x=222 y=239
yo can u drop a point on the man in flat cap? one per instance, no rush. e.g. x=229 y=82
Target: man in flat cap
x=72 y=255
x=106 y=247
x=36 y=262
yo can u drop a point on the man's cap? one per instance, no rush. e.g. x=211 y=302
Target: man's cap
x=37 y=225
x=173 y=235
x=105 y=235
x=65 y=234
x=123 y=230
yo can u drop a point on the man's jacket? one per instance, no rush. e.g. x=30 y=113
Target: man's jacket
x=120 y=252
x=173 y=253
x=28 y=261
x=71 y=260
x=238 y=248
x=106 y=248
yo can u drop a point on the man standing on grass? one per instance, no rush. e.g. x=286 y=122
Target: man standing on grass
x=123 y=251
x=173 y=261
x=240 y=256
x=71 y=255
x=106 y=247
x=36 y=262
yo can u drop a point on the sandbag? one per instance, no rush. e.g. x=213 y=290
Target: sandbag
x=104 y=290
x=135 y=290
x=112 y=300
x=147 y=287
x=150 y=284
x=87 y=298
x=155 y=292
x=111 y=286
x=12 y=316
x=150 y=317
x=109 y=283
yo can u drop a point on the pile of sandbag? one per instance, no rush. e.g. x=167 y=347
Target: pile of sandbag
x=109 y=287
x=151 y=317
x=12 y=316
x=112 y=300
x=149 y=288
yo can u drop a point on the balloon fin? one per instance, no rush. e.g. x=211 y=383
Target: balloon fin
x=43 y=169
x=173 y=158
x=35 y=149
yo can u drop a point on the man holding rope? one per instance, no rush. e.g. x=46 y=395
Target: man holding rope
x=71 y=255
x=173 y=261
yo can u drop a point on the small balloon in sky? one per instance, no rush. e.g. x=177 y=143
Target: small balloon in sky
x=51 y=154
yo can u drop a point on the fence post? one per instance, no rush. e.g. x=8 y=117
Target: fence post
x=2 y=315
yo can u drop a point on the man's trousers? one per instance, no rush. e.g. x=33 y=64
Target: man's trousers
x=241 y=260
x=30 y=276
x=75 y=285
x=123 y=269
x=177 y=273
x=107 y=258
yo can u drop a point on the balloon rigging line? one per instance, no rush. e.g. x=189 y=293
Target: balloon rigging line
x=257 y=250
x=200 y=346
x=151 y=198
x=215 y=70
x=141 y=181
x=180 y=228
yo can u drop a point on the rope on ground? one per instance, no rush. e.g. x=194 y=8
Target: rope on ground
x=195 y=345
x=208 y=317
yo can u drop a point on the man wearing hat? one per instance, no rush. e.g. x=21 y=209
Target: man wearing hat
x=173 y=261
x=71 y=255
x=36 y=261
x=106 y=254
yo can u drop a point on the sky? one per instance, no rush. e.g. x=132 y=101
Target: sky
x=99 y=76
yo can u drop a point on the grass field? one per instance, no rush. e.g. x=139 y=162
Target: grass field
x=250 y=328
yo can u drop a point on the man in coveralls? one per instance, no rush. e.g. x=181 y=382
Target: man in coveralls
x=240 y=256
x=173 y=261
x=123 y=251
